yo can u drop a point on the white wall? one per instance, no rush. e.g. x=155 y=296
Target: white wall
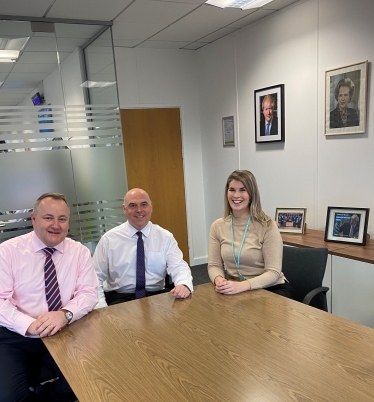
x=293 y=47
x=168 y=78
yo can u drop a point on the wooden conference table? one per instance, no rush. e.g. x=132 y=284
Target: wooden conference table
x=254 y=346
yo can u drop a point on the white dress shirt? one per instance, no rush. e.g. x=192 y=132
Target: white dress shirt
x=115 y=260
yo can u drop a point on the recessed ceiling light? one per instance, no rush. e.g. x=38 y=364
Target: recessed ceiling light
x=9 y=56
x=100 y=84
x=243 y=4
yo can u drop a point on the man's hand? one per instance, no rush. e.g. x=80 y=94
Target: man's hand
x=230 y=287
x=180 y=292
x=48 y=324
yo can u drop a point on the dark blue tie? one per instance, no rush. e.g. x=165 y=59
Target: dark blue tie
x=140 y=268
x=267 y=129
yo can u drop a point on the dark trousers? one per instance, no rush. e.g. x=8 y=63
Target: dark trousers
x=114 y=297
x=21 y=359
x=283 y=289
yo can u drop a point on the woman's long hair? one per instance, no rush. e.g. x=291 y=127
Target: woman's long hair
x=250 y=184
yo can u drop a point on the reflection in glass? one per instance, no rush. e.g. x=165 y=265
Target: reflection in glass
x=64 y=142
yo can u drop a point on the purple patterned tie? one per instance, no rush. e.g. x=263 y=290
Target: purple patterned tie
x=140 y=268
x=52 y=292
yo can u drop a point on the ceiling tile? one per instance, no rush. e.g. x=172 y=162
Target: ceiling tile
x=76 y=30
x=127 y=42
x=69 y=44
x=34 y=8
x=41 y=43
x=21 y=84
x=207 y=15
x=49 y=44
x=6 y=67
x=156 y=44
x=14 y=28
x=88 y=9
x=195 y=45
x=128 y=30
x=20 y=91
x=42 y=57
x=155 y=12
x=33 y=68
x=10 y=101
x=15 y=95
x=220 y=33
x=260 y=13
x=182 y=33
x=278 y=4
x=27 y=76
x=184 y=1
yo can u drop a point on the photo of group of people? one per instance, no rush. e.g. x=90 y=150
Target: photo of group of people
x=290 y=219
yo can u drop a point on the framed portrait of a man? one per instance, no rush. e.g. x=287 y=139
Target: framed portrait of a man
x=347 y=225
x=346 y=91
x=269 y=114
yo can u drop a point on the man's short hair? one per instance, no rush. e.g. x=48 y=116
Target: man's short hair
x=54 y=196
x=355 y=218
x=268 y=98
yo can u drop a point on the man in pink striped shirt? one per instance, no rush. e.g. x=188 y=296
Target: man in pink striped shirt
x=24 y=311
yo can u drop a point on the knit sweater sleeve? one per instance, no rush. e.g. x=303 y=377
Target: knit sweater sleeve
x=272 y=251
x=215 y=262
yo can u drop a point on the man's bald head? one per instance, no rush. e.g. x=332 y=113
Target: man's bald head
x=137 y=206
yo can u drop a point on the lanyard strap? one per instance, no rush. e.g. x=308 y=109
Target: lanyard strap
x=237 y=260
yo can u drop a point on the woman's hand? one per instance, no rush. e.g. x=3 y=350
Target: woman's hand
x=230 y=287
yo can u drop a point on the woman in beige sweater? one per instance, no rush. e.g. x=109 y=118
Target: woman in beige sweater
x=245 y=242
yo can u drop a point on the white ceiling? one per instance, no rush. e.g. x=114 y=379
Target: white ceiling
x=177 y=24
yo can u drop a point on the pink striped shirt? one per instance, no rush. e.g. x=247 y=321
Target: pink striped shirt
x=22 y=291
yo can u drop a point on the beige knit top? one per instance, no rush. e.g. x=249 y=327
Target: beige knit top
x=261 y=256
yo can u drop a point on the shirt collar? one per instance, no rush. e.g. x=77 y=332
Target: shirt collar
x=39 y=245
x=145 y=230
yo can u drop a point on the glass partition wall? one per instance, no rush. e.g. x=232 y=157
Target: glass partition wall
x=60 y=127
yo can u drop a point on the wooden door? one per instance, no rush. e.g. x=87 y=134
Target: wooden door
x=154 y=162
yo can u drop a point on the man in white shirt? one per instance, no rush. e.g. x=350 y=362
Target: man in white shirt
x=115 y=258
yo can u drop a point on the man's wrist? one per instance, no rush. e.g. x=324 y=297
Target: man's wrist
x=68 y=315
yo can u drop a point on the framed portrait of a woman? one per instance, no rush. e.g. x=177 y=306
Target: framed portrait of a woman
x=346 y=90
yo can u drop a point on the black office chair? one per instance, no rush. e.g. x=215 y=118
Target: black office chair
x=169 y=285
x=305 y=269
x=39 y=377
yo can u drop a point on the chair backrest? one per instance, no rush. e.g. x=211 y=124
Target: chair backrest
x=305 y=269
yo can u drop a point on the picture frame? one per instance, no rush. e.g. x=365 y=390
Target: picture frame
x=291 y=220
x=228 y=132
x=273 y=99
x=346 y=90
x=347 y=225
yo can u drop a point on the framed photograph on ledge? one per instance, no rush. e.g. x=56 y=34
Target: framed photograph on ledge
x=346 y=91
x=290 y=220
x=228 y=132
x=269 y=114
x=347 y=225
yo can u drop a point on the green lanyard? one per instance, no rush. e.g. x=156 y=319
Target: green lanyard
x=237 y=261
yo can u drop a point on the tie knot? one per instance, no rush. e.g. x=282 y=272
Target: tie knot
x=140 y=234
x=48 y=251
